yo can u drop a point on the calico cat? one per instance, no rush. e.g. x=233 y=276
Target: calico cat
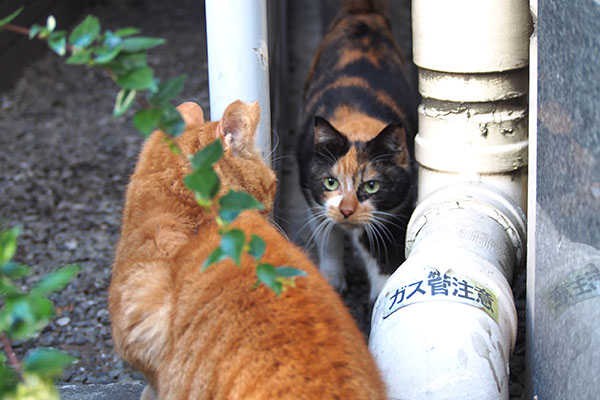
x=355 y=152
x=209 y=334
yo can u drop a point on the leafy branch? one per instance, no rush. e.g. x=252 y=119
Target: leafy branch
x=205 y=184
x=123 y=56
x=24 y=314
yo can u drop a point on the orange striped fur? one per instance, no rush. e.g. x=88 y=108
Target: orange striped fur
x=208 y=334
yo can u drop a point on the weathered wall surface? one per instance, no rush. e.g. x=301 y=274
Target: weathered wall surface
x=565 y=256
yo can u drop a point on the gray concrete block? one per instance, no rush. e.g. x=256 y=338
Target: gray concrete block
x=111 y=391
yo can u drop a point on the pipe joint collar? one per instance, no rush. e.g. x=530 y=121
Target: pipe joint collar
x=475 y=199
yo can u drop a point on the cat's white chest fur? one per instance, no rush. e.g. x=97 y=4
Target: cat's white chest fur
x=376 y=278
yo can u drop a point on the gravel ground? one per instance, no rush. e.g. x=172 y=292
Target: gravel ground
x=65 y=162
x=64 y=165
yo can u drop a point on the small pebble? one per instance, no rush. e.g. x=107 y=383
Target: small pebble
x=71 y=244
x=63 y=321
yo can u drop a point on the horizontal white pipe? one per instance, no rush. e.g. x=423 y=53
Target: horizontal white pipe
x=513 y=184
x=238 y=60
x=445 y=324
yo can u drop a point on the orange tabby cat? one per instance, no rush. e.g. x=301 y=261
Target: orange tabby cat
x=208 y=334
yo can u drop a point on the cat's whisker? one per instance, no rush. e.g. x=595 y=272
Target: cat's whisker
x=282 y=157
x=378 y=236
x=370 y=236
x=310 y=215
x=383 y=230
x=389 y=218
x=382 y=157
x=319 y=230
x=328 y=156
x=278 y=227
x=328 y=230
x=274 y=146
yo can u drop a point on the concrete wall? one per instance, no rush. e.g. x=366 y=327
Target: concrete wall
x=564 y=245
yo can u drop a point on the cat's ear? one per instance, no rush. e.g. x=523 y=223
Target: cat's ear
x=191 y=113
x=238 y=126
x=325 y=135
x=392 y=141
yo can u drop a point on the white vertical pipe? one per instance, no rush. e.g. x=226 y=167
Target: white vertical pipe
x=444 y=325
x=238 y=60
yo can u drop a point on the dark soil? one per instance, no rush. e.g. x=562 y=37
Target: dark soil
x=64 y=165
x=65 y=162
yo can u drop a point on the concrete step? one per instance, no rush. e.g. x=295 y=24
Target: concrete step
x=111 y=391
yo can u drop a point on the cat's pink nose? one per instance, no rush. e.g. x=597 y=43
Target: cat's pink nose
x=347 y=211
x=348 y=205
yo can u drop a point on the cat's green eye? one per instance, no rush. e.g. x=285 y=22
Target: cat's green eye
x=371 y=187
x=331 y=183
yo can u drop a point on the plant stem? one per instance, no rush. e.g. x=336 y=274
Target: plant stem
x=12 y=358
x=16 y=28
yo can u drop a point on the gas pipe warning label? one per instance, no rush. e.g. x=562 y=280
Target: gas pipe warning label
x=433 y=286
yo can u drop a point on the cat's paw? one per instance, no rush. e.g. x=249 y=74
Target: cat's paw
x=149 y=393
x=336 y=279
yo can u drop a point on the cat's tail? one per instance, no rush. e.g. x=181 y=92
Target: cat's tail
x=363 y=6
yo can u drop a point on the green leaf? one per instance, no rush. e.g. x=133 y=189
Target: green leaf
x=125 y=62
x=172 y=145
x=289 y=272
x=125 y=98
x=111 y=40
x=79 y=57
x=207 y=156
x=86 y=32
x=168 y=90
x=47 y=363
x=235 y=202
x=127 y=32
x=23 y=316
x=266 y=274
x=171 y=121
x=214 y=257
x=232 y=245
x=8 y=244
x=51 y=23
x=58 y=42
x=146 y=120
x=8 y=377
x=13 y=270
x=106 y=54
x=204 y=183
x=56 y=280
x=257 y=247
x=8 y=288
x=137 y=79
x=12 y=16
x=136 y=44
x=34 y=30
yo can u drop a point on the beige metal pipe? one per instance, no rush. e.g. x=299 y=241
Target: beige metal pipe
x=469 y=228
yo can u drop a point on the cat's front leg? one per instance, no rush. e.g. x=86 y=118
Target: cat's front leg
x=149 y=393
x=331 y=258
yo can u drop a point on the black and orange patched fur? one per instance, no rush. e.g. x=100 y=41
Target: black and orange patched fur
x=355 y=154
x=209 y=334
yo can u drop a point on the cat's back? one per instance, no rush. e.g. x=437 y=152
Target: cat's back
x=358 y=49
x=230 y=340
x=359 y=67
